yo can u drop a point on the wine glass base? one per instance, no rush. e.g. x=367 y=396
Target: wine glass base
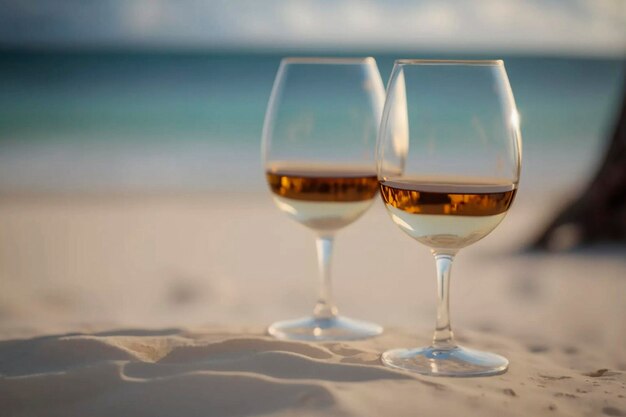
x=454 y=361
x=318 y=329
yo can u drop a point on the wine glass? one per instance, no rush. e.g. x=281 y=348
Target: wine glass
x=448 y=162
x=319 y=143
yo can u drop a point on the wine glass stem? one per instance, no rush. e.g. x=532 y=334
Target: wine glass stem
x=443 y=337
x=325 y=307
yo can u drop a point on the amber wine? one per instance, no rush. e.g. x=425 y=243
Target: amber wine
x=447 y=216
x=323 y=199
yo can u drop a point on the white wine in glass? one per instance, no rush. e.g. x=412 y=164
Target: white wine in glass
x=448 y=162
x=320 y=198
x=319 y=143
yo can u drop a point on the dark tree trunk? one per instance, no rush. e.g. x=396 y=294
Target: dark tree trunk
x=599 y=213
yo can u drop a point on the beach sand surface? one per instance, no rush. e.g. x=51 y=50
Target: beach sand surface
x=156 y=304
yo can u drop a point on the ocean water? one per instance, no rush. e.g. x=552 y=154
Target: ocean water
x=84 y=121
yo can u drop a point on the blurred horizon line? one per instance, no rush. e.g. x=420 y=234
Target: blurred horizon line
x=104 y=48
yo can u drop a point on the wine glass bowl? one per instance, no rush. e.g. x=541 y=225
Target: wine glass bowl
x=319 y=144
x=448 y=162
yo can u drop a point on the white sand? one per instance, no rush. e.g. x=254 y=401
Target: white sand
x=170 y=295
x=165 y=373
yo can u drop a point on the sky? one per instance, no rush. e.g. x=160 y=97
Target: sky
x=579 y=27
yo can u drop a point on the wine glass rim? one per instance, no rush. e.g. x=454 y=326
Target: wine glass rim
x=327 y=60
x=484 y=62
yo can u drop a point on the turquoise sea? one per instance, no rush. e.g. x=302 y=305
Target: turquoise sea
x=87 y=120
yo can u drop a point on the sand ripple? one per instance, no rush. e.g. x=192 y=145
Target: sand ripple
x=179 y=373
